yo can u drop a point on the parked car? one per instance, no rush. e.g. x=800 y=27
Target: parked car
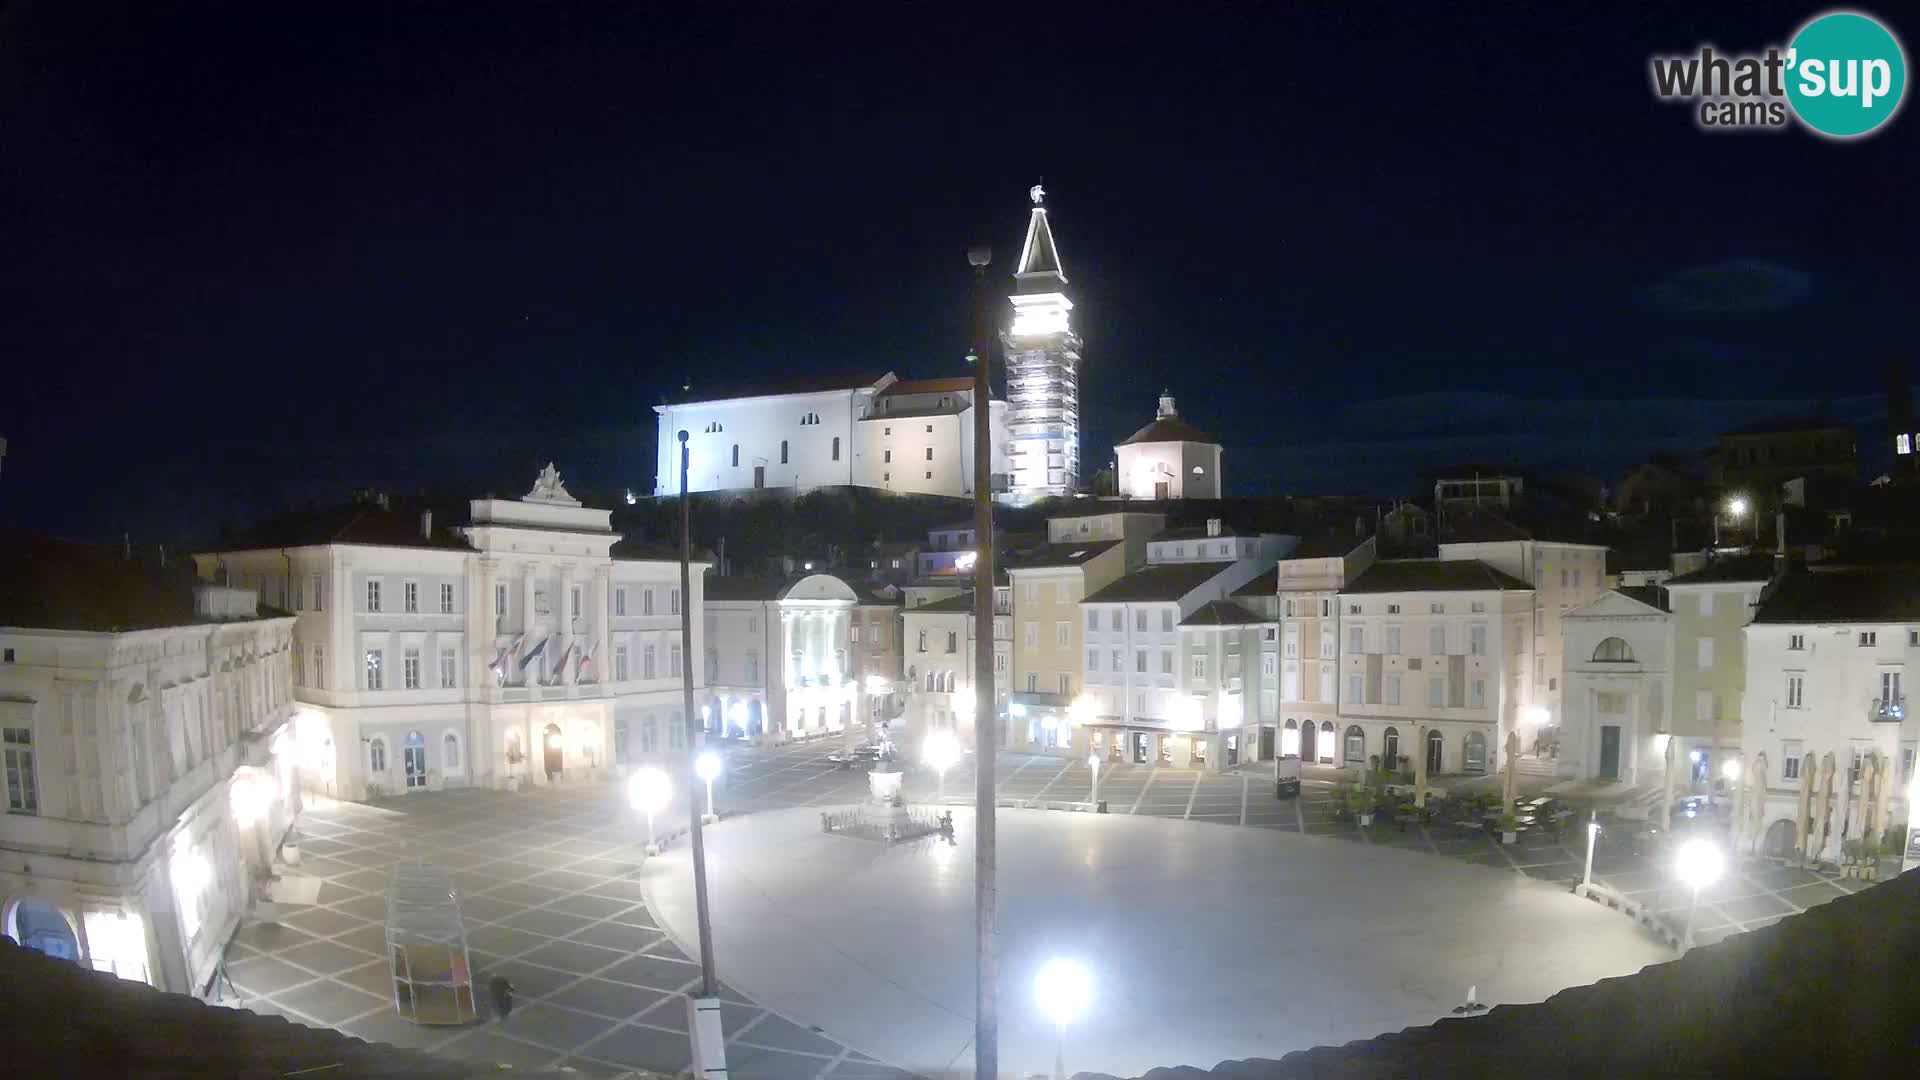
x=860 y=757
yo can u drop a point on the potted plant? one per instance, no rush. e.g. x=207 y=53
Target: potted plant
x=1509 y=828
x=1360 y=802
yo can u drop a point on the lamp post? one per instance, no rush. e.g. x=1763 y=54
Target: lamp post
x=704 y=1027
x=940 y=752
x=986 y=965
x=1735 y=509
x=707 y=767
x=1062 y=989
x=1093 y=766
x=1593 y=833
x=649 y=791
x=1699 y=865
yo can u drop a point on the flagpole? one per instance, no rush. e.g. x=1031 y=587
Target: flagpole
x=703 y=1012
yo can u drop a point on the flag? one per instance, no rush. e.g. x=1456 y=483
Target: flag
x=560 y=663
x=506 y=651
x=533 y=652
x=586 y=662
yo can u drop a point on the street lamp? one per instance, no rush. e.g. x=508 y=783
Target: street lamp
x=1062 y=989
x=649 y=791
x=1593 y=833
x=940 y=752
x=1093 y=766
x=1699 y=865
x=707 y=767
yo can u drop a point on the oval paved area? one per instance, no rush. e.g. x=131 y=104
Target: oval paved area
x=1205 y=943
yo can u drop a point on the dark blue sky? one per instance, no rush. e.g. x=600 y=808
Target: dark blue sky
x=251 y=257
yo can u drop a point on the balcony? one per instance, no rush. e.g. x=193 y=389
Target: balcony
x=1887 y=710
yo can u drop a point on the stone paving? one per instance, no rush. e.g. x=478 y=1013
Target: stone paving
x=548 y=892
x=547 y=880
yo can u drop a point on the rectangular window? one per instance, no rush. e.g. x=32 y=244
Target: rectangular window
x=1269 y=633
x=673 y=601
x=674 y=660
x=446 y=598
x=649 y=663
x=1796 y=691
x=23 y=784
x=1563 y=577
x=999 y=663
x=1478 y=607
x=620 y=601
x=1292 y=645
x=1704 y=649
x=410 y=669
x=620 y=663
x=1869 y=638
x=1393 y=609
x=1478 y=697
x=1796 y=642
x=753 y=665
x=923 y=642
x=449 y=668
x=929 y=453
x=1393 y=689
x=1267 y=665
x=1327 y=641
x=1200 y=667
x=1436 y=609
x=1477 y=641
x=1436 y=641
x=410 y=594
x=1890 y=687
x=1166 y=621
x=319 y=594
x=953 y=642
x=319 y=667
x=373 y=594
x=1436 y=691
x=1093 y=660
x=500 y=601
x=1356 y=640
x=1062 y=633
x=573 y=602
x=1355 y=683
x=1290 y=682
x=373 y=669
x=646 y=602
x=1032 y=635
x=1117 y=621
x=886 y=456
x=1119 y=660
x=1140 y=620
x=1289 y=609
x=1140 y=661
x=1033 y=683
x=1703 y=706
x=1393 y=641
x=1093 y=619
x=1166 y=661
x=1066 y=685
x=1790 y=755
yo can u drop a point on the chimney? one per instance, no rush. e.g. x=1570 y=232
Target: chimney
x=1166 y=406
x=1213 y=526
x=426 y=524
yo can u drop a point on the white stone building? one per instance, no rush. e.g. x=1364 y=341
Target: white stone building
x=1431 y=649
x=1169 y=459
x=782 y=654
x=1043 y=369
x=865 y=431
x=1830 y=655
x=1166 y=651
x=1306 y=587
x=528 y=646
x=940 y=649
x=148 y=769
x=1618 y=688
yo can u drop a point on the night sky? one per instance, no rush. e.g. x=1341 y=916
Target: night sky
x=252 y=259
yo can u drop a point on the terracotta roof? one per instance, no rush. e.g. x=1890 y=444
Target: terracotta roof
x=396 y=524
x=948 y=606
x=1433 y=575
x=1169 y=429
x=1768 y=1002
x=1222 y=613
x=1461 y=525
x=929 y=386
x=742 y=588
x=1163 y=581
x=1878 y=594
x=52 y=584
x=64 y=1020
x=1327 y=545
x=1651 y=595
x=1753 y=567
x=698 y=391
x=1267 y=584
x=1068 y=554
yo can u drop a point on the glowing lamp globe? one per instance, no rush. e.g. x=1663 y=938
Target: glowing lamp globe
x=707 y=766
x=1699 y=864
x=1062 y=990
x=649 y=790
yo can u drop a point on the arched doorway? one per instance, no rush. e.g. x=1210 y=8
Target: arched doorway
x=1325 y=744
x=1355 y=750
x=1436 y=746
x=413 y=759
x=552 y=740
x=756 y=718
x=1290 y=739
x=1390 y=750
x=1474 y=758
x=1778 y=842
x=1307 y=740
x=40 y=926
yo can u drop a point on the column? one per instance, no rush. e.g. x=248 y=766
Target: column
x=563 y=618
x=600 y=601
x=527 y=625
x=483 y=630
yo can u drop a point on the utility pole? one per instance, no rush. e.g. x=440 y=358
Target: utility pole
x=986 y=967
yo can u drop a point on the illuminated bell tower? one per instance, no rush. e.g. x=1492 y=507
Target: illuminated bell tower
x=1043 y=370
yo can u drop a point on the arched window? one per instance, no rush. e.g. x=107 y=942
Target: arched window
x=736 y=455
x=783 y=451
x=1613 y=651
x=1390 y=750
x=836 y=448
x=1356 y=745
x=450 y=751
x=377 y=755
x=1325 y=743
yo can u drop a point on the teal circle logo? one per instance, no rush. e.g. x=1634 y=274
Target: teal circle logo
x=1846 y=74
